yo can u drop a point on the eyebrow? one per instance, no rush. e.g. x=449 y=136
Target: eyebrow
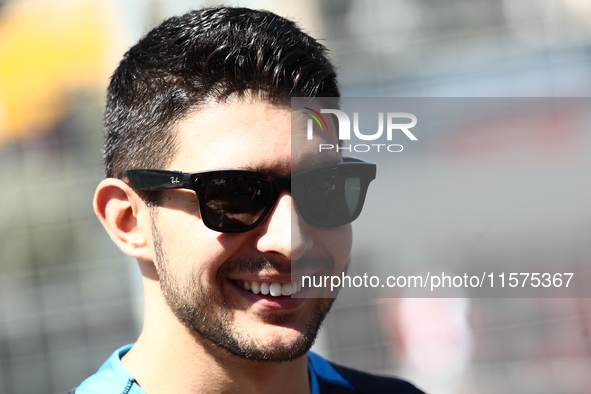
x=265 y=170
x=315 y=163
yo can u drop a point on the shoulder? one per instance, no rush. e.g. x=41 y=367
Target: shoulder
x=111 y=378
x=368 y=383
x=336 y=379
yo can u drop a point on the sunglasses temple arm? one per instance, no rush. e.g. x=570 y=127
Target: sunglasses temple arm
x=157 y=179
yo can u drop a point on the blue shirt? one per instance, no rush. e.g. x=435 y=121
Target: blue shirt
x=113 y=378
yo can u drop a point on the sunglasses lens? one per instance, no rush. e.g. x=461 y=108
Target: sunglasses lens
x=235 y=202
x=329 y=197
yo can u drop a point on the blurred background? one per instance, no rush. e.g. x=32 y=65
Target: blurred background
x=69 y=297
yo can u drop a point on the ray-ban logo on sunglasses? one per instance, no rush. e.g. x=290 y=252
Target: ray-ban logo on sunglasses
x=394 y=123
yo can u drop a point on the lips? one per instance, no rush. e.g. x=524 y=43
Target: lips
x=275 y=289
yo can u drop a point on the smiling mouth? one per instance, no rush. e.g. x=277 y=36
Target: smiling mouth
x=273 y=289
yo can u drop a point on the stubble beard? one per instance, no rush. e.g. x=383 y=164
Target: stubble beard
x=201 y=308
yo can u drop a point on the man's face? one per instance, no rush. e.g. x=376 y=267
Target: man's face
x=202 y=272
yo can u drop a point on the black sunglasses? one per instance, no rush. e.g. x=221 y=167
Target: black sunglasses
x=237 y=201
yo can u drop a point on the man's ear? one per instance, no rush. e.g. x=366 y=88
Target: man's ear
x=124 y=217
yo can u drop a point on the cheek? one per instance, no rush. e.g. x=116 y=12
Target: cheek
x=337 y=241
x=190 y=247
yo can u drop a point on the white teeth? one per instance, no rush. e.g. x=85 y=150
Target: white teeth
x=286 y=289
x=275 y=289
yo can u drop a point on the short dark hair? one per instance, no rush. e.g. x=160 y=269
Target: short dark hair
x=200 y=57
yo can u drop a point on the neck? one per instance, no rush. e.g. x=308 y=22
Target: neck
x=169 y=357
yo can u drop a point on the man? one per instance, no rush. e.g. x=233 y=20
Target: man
x=221 y=242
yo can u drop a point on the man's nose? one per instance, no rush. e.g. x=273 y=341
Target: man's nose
x=284 y=231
